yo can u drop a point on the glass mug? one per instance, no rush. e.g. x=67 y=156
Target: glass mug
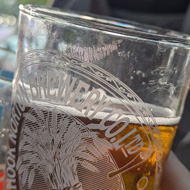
x=96 y=102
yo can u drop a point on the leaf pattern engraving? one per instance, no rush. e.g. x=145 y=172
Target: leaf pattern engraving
x=88 y=166
x=31 y=178
x=55 y=143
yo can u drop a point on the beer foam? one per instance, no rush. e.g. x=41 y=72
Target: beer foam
x=128 y=106
x=161 y=115
x=156 y=110
x=133 y=119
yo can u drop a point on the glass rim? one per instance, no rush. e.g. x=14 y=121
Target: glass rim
x=112 y=25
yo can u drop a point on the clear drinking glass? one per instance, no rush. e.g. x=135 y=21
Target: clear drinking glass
x=96 y=102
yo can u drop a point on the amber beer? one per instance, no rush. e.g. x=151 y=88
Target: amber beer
x=96 y=143
x=131 y=177
x=167 y=135
x=44 y=133
x=66 y=134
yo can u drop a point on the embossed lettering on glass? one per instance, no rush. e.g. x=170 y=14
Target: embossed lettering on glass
x=96 y=102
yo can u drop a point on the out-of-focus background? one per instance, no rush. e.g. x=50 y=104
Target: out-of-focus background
x=167 y=14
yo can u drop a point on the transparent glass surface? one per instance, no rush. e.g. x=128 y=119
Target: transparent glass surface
x=96 y=102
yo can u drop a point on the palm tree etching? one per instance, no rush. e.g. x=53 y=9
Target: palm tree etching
x=55 y=143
